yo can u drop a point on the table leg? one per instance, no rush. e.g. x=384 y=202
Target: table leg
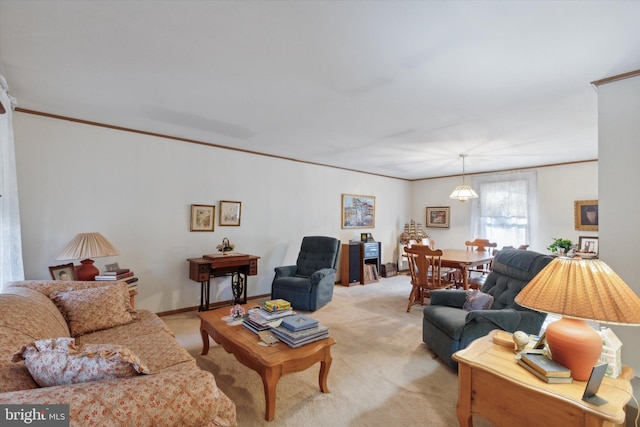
x=465 y=278
x=325 y=365
x=463 y=408
x=270 y=377
x=205 y=341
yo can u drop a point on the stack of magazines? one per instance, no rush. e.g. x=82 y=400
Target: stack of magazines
x=262 y=318
x=298 y=330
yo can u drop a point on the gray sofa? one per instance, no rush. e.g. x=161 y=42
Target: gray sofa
x=447 y=327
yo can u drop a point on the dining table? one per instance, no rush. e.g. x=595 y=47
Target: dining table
x=464 y=259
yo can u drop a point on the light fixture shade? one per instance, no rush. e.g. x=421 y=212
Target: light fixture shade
x=88 y=245
x=463 y=193
x=582 y=289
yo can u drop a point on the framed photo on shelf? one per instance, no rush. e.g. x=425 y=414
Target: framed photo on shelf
x=438 y=217
x=230 y=212
x=358 y=211
x=588 y=244
x=586 y=215
x=202 y=217
x=63 y=272
x=111 y=267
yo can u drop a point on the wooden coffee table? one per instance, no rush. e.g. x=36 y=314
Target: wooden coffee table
x=270 y=362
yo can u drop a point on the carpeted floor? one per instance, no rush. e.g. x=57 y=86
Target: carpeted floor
x=382 y=374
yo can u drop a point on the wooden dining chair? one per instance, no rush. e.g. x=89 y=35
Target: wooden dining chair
x=427 y=273
x=476 y=280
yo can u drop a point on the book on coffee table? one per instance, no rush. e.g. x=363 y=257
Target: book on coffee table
x=299 y=322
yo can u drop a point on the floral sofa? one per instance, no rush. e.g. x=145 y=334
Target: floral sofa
x=81 y=343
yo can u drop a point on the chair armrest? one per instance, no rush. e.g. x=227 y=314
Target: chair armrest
x=450 y=297
x=322 y=275
x=506 y=319
x=285 y=271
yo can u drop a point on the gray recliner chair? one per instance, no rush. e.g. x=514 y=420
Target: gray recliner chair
x=308 y=285
x=447 y=327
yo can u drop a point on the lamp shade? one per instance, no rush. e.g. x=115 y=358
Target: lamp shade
x=85 y=246
x=579 y=290
x=463 y=193
x=88 y=245
x=582 y=289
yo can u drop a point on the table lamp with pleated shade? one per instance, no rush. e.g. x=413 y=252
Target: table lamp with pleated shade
x=578 y=290
x=85 y=246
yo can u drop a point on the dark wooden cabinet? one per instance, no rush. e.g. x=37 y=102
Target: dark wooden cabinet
x=360 y=263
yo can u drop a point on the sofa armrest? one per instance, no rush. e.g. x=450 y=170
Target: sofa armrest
x=450 y=297
x=506 y=319
x=186 y=397
x=285 y=271
x=322 y=275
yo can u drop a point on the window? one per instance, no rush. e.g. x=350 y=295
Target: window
x=503 y=211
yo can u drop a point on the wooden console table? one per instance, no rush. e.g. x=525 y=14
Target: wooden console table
x=238 y=266
x=493 y=386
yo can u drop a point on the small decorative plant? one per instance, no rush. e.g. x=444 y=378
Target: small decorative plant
x=557 y=244
x=237 y=312
x=225 y=246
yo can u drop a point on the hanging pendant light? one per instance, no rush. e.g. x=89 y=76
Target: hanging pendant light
x=463 y=192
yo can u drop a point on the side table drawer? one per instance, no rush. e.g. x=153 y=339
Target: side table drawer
x=253 y=267
x=199 y=272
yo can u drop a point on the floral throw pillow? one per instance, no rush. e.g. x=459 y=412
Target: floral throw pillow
x=58 y=361
x=94 y=309
x=477 y=300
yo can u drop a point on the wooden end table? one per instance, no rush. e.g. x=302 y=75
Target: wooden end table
x=270 y=362
x=492 y=385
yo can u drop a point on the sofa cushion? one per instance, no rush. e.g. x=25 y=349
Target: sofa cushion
x=58 y=361
x=94 y=309
x=477 y=300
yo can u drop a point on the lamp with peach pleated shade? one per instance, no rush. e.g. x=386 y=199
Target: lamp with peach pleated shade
x=579 y=289
x=85 y=246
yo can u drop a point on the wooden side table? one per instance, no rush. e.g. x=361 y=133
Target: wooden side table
x=492 y=385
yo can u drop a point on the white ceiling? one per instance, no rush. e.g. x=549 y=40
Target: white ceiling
x=397 y=88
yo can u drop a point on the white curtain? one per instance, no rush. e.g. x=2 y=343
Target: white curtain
x=505 y=207
x=11 y=266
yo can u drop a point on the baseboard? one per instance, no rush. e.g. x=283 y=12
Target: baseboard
x=212 y=306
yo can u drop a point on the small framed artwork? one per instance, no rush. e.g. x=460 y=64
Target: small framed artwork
x=230 y=212
x=588 y=244
x=586 y=215
x=63 y=272
x=202 y=217
x=358 y=211
x=438 y=217
x=111 y=267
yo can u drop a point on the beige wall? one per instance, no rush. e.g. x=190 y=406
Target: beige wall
x=558 y=188
x=619 y=151
x=137 y=191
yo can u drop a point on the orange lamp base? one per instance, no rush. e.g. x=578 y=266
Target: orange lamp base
x=574 y=344
x=86 y=270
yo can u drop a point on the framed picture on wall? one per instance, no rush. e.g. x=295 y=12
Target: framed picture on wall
x=202 y=217
x=586 y=215
x=438 y=217
x=230 y=212
x=63 y=272
x=358 y=211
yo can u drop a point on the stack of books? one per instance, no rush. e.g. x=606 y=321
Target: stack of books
x=298 y=330
x=545 y=368
x=120 y=274
x=262 y=318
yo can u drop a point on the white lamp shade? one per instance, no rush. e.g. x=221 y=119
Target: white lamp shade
x=88 y=245
x=463 y=193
